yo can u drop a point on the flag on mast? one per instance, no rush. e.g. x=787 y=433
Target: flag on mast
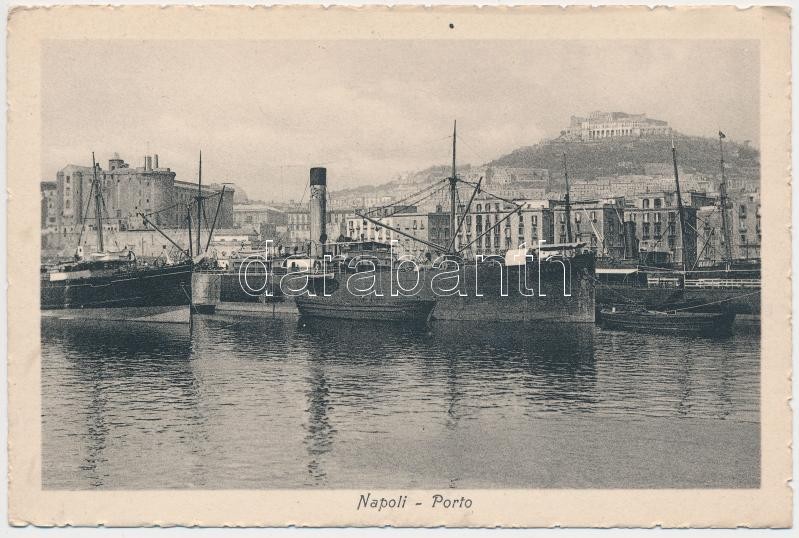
x=722 y=135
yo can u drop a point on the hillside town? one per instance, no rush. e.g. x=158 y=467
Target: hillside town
x=621 y=187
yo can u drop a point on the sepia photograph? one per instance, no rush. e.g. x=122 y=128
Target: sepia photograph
x=412 y=268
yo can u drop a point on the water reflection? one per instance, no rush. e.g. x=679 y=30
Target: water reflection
x=126 y=378
x=319 y=438
x=239 y=402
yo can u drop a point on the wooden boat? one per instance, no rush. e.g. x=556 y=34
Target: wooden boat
x=667 y=322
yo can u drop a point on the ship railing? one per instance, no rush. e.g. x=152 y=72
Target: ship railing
x=722 y=283
x=663 y=282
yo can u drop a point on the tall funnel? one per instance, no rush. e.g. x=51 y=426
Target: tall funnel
x=318 y=211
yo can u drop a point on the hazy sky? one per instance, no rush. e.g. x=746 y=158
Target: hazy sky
x=263 y=112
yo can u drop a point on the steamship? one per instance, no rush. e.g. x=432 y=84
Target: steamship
x=548 y=283
x=116 y=279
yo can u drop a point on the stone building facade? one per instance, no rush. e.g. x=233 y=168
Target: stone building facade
x=599 y=125
x=743 y=212
x=49 y=205
x=127 y=192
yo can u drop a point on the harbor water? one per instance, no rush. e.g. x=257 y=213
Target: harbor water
x=236 y=402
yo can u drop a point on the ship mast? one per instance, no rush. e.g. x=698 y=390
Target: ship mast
x=680 y=208
x=453 y=190
x=199 y=200
x=723 y=201
x=567 y=201
x=97 y=207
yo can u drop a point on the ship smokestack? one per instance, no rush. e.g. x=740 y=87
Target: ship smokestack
x=148 y=163
x=318 y=211
x=155 y=161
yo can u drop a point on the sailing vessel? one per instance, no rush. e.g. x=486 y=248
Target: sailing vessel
x=106 y=279
x=732 y=284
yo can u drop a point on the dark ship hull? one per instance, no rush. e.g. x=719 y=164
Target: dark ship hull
x=367 y=308
x=560 y=291
x=136 y=287
x=689 y=323
x=734 y=290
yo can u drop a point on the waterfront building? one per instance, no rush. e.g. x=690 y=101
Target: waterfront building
x=744 y=224
x=49 y=204
x=126 y=192
x=252 y=216
x=298 y=223
x=598 y=224
x=600 y=125
x=488 y=234
x=432 y=227
x=657 y=226
x=337 y=220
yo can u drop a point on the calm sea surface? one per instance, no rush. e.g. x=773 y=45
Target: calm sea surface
x=282 y=403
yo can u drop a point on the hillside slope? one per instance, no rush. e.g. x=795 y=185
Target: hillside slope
x=608 y=157
x=589 y=160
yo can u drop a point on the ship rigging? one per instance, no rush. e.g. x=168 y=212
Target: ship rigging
x=452 y=248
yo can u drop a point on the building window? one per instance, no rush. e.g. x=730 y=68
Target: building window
x=646 y=203
x=658 y=203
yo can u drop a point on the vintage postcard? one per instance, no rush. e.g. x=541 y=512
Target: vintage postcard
x=467 y=267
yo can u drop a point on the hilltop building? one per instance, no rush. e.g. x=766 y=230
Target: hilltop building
x=600 y=125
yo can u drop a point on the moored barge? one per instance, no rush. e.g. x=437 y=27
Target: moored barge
x=668 y=322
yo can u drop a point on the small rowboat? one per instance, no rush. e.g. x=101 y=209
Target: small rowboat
x=667 y=322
